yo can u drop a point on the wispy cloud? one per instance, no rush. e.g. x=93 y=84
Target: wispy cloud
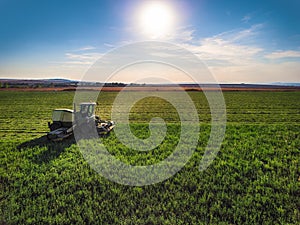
x=182 y=35
x=84 y=56
x=232 y=56
x=242 y=35
x=230 y=47
x=218 y=48
x=246 y=18
x=235 y=56
x=76 y=63
x=109 y=45
x=283 y=54
x=82 y=59
x=85 y=48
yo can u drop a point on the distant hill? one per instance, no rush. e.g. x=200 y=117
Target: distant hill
x=66 y=83
x=51 y=83
x=34 y=83
x=286 y=84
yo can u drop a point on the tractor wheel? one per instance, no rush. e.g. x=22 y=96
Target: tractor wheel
x=55 y=126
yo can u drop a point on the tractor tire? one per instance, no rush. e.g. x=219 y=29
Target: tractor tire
x=55 y=126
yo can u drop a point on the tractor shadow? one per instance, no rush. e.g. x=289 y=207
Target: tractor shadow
x=51 y=149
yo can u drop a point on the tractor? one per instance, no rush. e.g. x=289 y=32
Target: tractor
x=65 y=121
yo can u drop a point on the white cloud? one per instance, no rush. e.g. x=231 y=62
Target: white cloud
x=82 y=59
x=85 y=48
x=84 y=56
x=283 y=54
x=77 y=63
x=181 y=35
x=109 y=45
x=218 y=48
x=246 y=18
x=230 y=47
x=232 y=56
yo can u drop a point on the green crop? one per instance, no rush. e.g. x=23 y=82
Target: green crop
x=255 y=178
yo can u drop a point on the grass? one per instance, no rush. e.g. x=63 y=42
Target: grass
x=255 y=178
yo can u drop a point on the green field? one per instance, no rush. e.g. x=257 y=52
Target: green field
x=255 y=178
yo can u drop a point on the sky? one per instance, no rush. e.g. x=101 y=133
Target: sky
x=239 y=41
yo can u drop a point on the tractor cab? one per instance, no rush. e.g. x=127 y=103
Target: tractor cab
x=86 y=113
x=87 y=109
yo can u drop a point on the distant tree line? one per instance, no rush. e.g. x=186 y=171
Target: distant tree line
x=74 y=84
x=4 y=85
x=114 y=84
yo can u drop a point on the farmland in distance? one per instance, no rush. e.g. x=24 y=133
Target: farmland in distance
x=255 y=178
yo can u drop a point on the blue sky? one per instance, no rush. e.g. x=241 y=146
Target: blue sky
x=240 y=41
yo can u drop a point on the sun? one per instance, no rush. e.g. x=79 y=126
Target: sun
x=156 y=19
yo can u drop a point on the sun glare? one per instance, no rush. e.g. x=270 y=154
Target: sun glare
x=156 y=19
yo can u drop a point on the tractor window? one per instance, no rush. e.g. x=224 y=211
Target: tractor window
x=84 y=109
x=90 y=111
